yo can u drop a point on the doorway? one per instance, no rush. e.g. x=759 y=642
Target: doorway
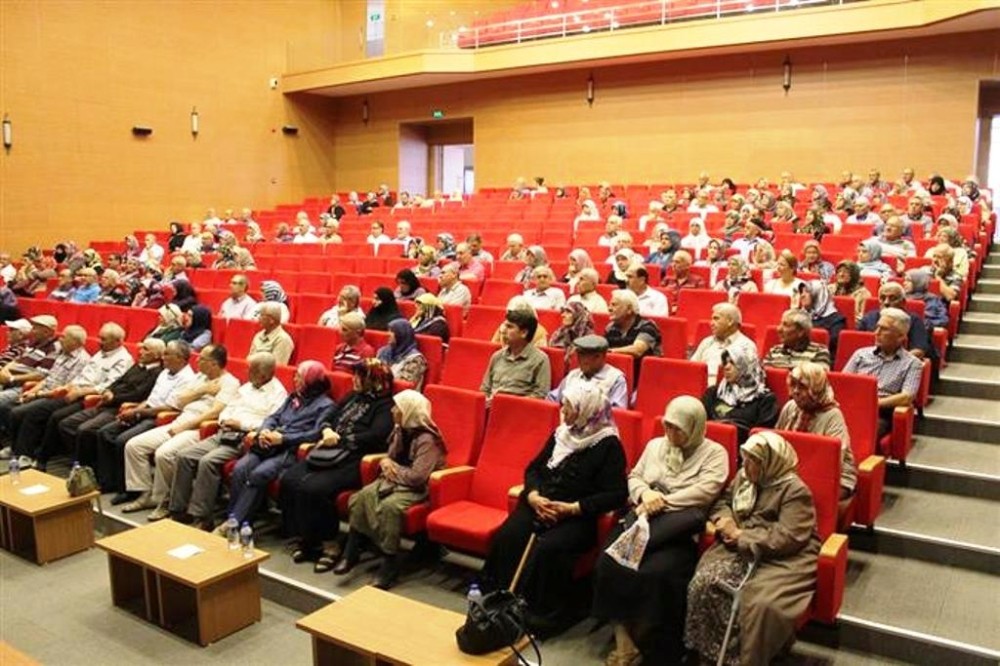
x=437 y=156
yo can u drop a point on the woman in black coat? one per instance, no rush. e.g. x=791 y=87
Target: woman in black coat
x=742 y=397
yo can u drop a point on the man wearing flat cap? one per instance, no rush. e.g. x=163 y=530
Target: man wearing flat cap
x=592 y=355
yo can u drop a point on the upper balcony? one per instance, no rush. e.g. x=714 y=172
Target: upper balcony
x=552 y=35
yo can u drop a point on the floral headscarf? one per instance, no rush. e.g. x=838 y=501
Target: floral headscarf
x=750 y=382
x=817 y=397
x=822 y=304
x=375 y=377
x=593 y=422
x=583 y=324
x=273 y=291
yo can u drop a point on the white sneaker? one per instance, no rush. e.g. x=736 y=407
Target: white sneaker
x=5 y=453
x=26 y=462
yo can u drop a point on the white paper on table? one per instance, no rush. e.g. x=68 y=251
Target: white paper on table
x=185 y=551
x=36 y=489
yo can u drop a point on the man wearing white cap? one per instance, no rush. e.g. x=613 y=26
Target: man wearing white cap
x=34 y=362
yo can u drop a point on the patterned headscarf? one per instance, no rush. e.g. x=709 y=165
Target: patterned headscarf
x=750 y=382
x=921 y=281
x=314 y=382
x=583 y=324
x=170 y=316
x=777 y=460
x=688 y=414
x=273 y=292
x=817 y=397
x=375 y=377
x=593 y=422
x=822 y=304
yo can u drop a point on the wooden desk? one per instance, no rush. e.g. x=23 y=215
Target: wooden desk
x=204 y=597
x=44 y=526
x=11 y=656
x=375 y=628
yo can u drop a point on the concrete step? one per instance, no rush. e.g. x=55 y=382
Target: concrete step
x=950 y=465
x=979 y=323
x=969 y=380
x=990 y=272
x=976 y=348
x=974 y=419
x=917 y=612
x=971 y=521
x=985 y=302
x=988 y=286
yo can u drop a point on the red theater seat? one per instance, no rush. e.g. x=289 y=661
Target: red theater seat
x=663 y=379
x=466 y=363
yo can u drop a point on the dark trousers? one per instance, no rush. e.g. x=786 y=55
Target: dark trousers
x=547 y=580
x=110 y=455
x=79 y=432
x=308 y=499
x=36 y=426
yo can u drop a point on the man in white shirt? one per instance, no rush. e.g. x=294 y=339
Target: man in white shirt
x=239 y=305
x=202 y=400
x=751 y=237
x=199 y=467
x=592 y=355
x=863 y=213
x=349 y=300
x=403 y=233
x=377 y=235
x=453 y=292
x=652 y=303
x=726 y=320
x=7 y=270
x=543 y=296
x=475 y=242
x=152 y=254
x=701 y=204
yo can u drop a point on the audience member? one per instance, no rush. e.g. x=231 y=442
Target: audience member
x=271 y=337
x=586 y=292
x=402 y=355
x=543 y=295
x=652 y=303
x=796 y=346
x=519 y=368
x=742 y=397
x=348 y=300
x=678 y=278
x=628 y=332
x=453 y=291
x=726 y=335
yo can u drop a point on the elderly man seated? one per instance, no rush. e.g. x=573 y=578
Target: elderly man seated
x=469 y=267
x=892 y=295
x=892 y=241
x=592 y=356
x=586 y=291
x=680 y=277
x=453 y=291
x=949 y=280
x=628 y=333
x=515 y=249
x=542 y=295
x=519 y=368
x=796 y=346
x=239 y=305
x=272 y=337
x=652 y=303
x=863 y=213
x=897 y=370
x=726 y=334
x=348 y=300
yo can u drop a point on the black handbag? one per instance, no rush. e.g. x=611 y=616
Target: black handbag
x=497 y=621
x=327 y=457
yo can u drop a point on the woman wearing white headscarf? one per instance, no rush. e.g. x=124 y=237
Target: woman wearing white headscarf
x=737 y=280
x=578 y=475
x=697 y=238
x=815 y=298
x=675 y=482
x=742 y=397
x=624 y=261
x=767 y=511
x=170 y=327
x=416 y=449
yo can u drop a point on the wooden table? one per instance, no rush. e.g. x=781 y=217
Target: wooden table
x=47 y=525
x=11 y=656
x=375 y=628
x=204 y=597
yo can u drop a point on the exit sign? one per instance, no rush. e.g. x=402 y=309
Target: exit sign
x=437 y=113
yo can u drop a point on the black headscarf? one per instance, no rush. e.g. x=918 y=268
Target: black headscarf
x=380 y=316
x=201 y=321
x=176 y=236
x=936 y=185
x=412 y=282
x=185 y=297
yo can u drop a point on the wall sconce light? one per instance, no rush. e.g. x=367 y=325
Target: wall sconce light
x=590 y=90
x=140 y=131
x=194 y=122
x=365 y=113
x=289 y=130
x=8 y=132
x=786 y=75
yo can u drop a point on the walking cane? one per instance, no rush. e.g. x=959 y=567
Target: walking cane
x=734 y=592
x=524 y=559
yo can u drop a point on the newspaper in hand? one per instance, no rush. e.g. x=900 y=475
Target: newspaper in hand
x=628 y=549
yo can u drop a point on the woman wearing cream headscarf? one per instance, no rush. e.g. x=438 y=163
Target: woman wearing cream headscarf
x=814 y=409
x=674 y=484
x=578 y=475
x=416 y=449
x=768 y=512
x=170 y=326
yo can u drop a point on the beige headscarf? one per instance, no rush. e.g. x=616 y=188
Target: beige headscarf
x=777 y=460
x=592 y=424
x=416 y=411
x=170 y=315
x=688 y=414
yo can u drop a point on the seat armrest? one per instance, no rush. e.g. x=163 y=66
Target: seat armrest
x=831 y=574
x=301 y=452
x=163 y=418
x=707 y=538
x=207 y=429
x=514 y=496
x=91 y=401
x=450 y=485
x=901 y=438
x=370 y=467
x=868 y=494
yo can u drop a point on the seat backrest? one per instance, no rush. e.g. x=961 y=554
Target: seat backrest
x=483 y=321
x=819 y=467
x=498 y=292
x=630 y=433
x=696 y=305
x=663 y=379
x=845 y=306
x=777 y=381
x=858 y=399
x=848 y=343
x=239 y=335
x=432 y=347
x=763 y=310
x=309 y=307
x=517 y=429
x=466 y=363
x=557 y=364
x=673 y=333
x=317 y=343
x=461 y=416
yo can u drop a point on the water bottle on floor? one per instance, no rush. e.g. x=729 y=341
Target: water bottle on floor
x=233 y=532
x=246 y=540
x=14 y=469
x=475 y=597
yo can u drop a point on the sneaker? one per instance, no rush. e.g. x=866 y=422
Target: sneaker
x=141 y=503
x=159 y=513
x=26 y=462
x=5 y=453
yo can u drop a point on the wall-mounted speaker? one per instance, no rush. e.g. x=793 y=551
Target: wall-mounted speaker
x=142 y=131
x=290 y=130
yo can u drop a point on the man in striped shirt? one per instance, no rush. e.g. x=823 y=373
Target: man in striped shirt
x=796 y=347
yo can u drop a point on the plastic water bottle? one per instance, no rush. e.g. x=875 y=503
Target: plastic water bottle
x=233 y=532
x=246 y=540
x=14 y=468
x=475 y=597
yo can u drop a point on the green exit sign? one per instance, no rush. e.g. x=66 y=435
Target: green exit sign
x=437 y=113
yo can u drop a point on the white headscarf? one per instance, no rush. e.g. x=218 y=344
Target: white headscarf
x=415 y=410
x=688 y=414
x=696 y=243
x=777 y=460
x=592 y=424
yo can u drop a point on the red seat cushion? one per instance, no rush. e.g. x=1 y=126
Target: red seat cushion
x=465 y=525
